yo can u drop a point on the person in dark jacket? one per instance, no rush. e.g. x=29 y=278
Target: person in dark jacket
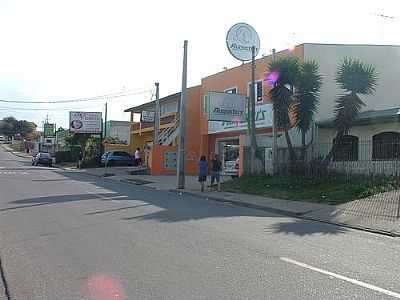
x=202 y=172
x=216 y=167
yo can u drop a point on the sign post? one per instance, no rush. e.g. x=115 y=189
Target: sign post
x=244 y=44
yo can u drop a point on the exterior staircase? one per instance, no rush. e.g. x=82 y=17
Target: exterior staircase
x=168 y=135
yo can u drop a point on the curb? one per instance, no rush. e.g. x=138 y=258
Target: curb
x=15 y=153
x=289 y=213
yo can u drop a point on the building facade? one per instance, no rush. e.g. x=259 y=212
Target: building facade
x=230 y=139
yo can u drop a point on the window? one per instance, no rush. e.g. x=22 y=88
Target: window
x=169 y=108
x=205 y=104
x=347 y=149
x=386 y=145
x=231 y=90
x=259 y=90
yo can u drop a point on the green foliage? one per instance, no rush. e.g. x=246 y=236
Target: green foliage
x=87 y=143
x=287 y=70
x=307 y=95
x=10 y=126
x=354 y=77
x=330 y=190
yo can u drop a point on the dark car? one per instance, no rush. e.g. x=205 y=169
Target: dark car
x=42 y=158
x=117 y=158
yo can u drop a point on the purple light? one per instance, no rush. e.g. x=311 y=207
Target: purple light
x=272 y=78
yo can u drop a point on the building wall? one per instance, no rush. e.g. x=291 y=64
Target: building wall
x=193 y=133
x=364 y=133
x=386 y=60
x=156 y=160
x=238 y=77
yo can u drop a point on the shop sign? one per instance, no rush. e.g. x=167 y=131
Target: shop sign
x=225 y=107
x=240 y=39
x=48 y=130
x=263 y=120
x=147 y=116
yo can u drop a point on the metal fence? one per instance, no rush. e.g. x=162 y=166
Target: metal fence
x=349 y=159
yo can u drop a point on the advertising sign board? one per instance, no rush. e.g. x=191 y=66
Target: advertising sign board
x=48 y=130
x=225 y=107
x=240 y=39
x=263 y=120
x=85 y=122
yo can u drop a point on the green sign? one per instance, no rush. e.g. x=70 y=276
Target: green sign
x=49 y=130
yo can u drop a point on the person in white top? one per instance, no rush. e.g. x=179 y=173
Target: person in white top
x=138 y=160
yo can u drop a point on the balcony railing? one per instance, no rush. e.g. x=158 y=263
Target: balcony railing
x=170 y=119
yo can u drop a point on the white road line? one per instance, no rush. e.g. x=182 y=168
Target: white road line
x=344 y=278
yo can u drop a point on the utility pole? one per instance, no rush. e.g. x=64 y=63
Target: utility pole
x=157 y=115
x=105 y=121
x=253 y=140
x=182 y=124
x=274 y=134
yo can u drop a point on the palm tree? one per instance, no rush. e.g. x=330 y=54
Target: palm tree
x=355 y=78
x=307 y=99
x=285 y=72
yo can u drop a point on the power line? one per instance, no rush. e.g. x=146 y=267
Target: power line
x=44 y=109
x=96 y=98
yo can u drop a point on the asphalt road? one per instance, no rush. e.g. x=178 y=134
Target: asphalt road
x=65 y=235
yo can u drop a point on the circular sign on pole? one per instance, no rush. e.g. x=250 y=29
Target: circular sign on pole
x=240 y=39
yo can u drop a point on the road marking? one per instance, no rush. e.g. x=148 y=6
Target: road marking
x=12 y=173
x=344 y=278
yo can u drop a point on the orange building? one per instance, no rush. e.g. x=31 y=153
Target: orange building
x=205 y=137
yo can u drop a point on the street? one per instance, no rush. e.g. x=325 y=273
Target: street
x=67 y=235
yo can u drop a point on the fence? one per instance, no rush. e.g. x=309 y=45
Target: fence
x=347 y=158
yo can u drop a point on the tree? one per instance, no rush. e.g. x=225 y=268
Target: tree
x=307 y=99
x=7 y=126
x=25 y=127
x=87 y=143
x=355 y=78
x=10 y=126
x=284 y=73
x=78 y=140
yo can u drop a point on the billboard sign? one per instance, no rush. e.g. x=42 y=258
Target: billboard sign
x=263 y=120
x=240 y=39
x=225 y=107
x=147 y=116
x=85 y=122
x=48 y=130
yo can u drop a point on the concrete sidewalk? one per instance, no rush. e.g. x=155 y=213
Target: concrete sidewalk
x=379 y=213
x=7 y=148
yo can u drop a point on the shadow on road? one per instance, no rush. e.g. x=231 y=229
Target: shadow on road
x=304 y=227
x=49 y=200
x=174 y=207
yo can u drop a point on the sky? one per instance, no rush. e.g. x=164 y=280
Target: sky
x=54 y=50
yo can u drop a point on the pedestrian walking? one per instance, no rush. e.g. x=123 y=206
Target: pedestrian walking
x=80 y=159
x=138 y=159
x=202 y=172
x=216 y=167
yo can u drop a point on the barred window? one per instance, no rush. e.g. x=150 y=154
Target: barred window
x=347 y=149
x=386 y=145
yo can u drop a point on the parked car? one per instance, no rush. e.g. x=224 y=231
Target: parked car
x=117 y=158
x=42 y=158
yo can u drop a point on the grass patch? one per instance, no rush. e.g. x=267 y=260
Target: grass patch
x=321 y=190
